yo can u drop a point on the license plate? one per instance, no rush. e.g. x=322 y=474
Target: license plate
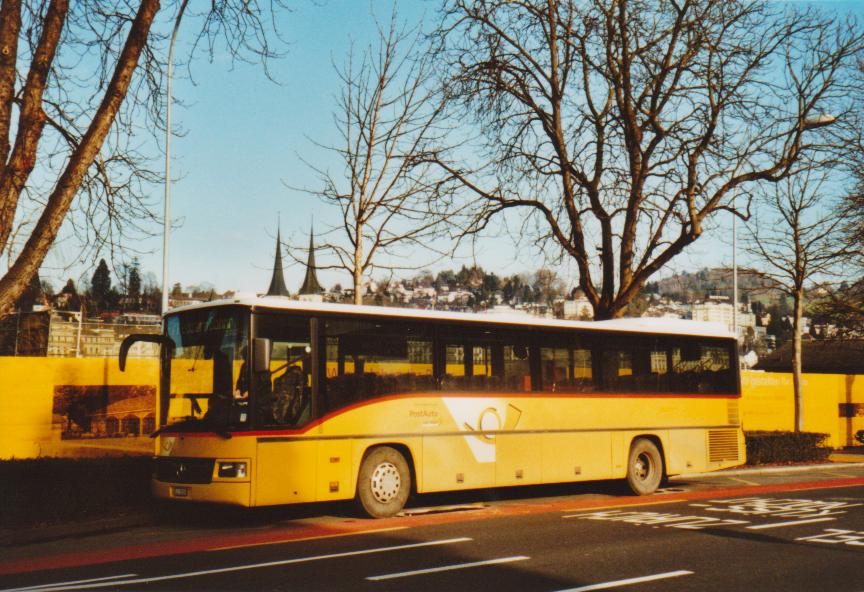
x=181 y=492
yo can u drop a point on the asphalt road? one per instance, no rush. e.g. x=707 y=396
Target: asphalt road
x=745 y=531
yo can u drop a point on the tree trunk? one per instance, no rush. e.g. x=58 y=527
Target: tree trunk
x=13 y=284
x=358 y=268
x=798 y=297
x=605 y=311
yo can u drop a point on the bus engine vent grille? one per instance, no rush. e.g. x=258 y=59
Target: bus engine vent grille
x=722 y=445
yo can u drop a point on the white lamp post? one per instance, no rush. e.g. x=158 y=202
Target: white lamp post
x=734 y=270
x=166 y=214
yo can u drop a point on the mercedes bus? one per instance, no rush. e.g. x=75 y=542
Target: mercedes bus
x=266 y=401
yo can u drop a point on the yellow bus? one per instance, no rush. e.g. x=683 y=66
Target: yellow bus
x=268 y=401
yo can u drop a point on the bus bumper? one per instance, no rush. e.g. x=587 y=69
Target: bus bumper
x=237 y=494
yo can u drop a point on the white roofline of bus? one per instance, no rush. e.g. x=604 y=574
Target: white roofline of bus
x=628 y=325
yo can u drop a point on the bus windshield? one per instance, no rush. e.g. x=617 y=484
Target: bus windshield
x=208 y=375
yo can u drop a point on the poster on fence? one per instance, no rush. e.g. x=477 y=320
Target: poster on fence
x=94 y=420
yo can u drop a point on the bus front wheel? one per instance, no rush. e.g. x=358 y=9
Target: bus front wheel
x=644 y=467
x=384 y=482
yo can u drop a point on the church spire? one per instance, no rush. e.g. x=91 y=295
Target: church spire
x=310 y=282
x=277 y=283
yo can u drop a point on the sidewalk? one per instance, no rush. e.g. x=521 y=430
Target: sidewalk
x=72 y=528
x=837 y=459
x=848 y=455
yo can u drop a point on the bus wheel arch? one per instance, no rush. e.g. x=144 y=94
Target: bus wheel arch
x=385 y=480
x=646 y=464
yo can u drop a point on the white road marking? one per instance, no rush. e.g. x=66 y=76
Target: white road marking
x=207 y=572
x=701 y=505
x=744 y=481
x=627 y=582
x=658 y=519
x=42 y=587
x=792 y=523
x=417 y=572
x=837 y=536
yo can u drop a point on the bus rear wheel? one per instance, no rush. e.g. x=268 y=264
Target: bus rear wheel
x=384 y=482
x=644 y=467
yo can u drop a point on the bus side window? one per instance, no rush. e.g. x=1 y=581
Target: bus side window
x=517 y=368
x=555 y=369
x=719 y=376
x=616 y=370
x=566 y=370
x=454 y=367
x=702 y=368
x=582 y=379
x=473 y=367
x=659 y=367
x=370 y=359
x=682 y=372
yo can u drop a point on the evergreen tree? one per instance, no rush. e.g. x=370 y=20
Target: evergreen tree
x=100 y=287
x=134 y=284
x=445 y=277
x=70 y=300
x=491 y=284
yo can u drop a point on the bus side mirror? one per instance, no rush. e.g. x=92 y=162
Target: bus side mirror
x=130 y=340
x=261 y=354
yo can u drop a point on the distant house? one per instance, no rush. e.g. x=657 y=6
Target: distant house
x=576 y=308
x=819 y=356
x=718 y=309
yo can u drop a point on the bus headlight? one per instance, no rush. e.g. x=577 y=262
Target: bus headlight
x=232 y=469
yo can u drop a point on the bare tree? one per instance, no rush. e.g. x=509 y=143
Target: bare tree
x=618 y=128
x=843 y=305
x=793 y=235
x=80 y=86
x=386 y=115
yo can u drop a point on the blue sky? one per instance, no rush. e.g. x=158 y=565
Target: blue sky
x=241 y=145
x=243 y=138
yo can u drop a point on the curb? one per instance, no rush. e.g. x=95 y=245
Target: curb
x=764 y=470
x=40 y=534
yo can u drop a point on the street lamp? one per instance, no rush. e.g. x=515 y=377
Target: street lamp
x=810 y=123
x=819 y=121
x=166 y=214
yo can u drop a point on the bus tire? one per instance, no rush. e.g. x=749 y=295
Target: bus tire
x=384 y=482
x=644 y=467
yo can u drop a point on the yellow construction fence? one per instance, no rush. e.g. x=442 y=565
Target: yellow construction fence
x=85 y=407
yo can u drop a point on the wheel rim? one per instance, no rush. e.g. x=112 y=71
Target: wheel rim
x=385 y=482
x=643 y=466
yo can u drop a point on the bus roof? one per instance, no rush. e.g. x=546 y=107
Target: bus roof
x=625 y=325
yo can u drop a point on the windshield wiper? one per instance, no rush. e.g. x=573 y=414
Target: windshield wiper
x=199 y=425
x=176 y=426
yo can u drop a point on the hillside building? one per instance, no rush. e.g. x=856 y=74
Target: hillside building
x=718 y=309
